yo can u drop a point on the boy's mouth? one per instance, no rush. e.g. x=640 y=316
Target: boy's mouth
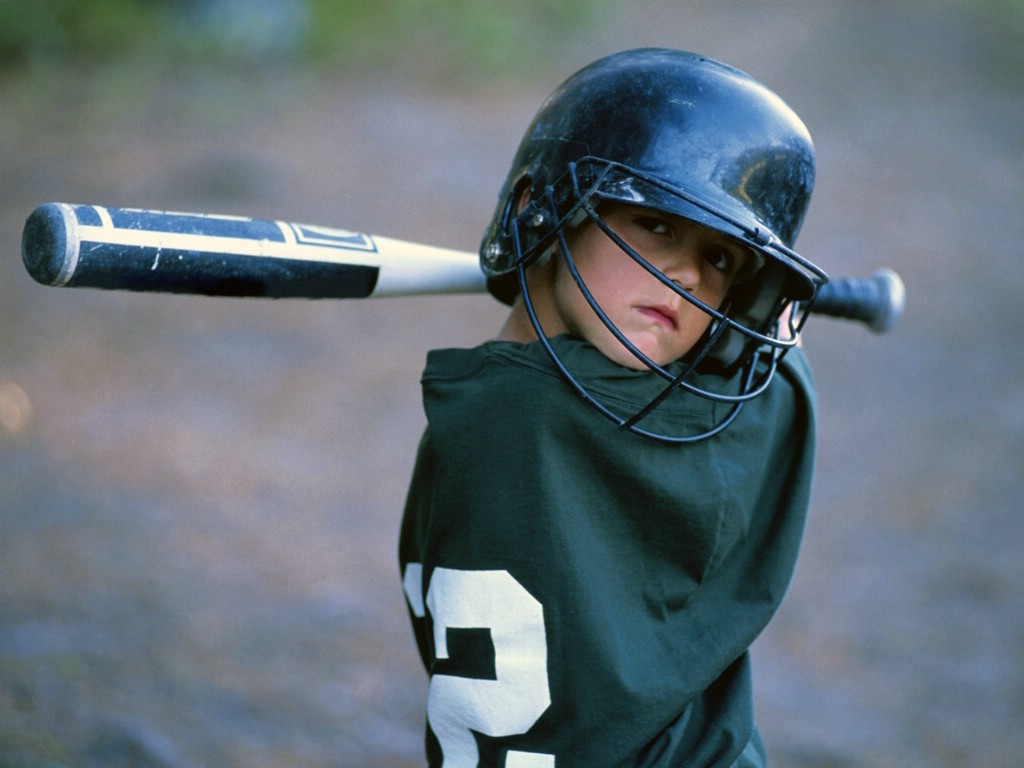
x=662 y=315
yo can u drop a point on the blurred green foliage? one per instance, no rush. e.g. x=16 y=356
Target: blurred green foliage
x=359 y=33
x=1006 y=16
x=432 y=35
x=486 y=32
x=34 y=30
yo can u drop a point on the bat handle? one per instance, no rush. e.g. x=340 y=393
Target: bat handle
x=876 y=300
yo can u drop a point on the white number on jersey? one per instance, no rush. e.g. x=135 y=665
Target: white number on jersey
x=515 y=700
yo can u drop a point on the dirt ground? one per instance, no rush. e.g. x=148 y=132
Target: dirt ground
x=200 y=497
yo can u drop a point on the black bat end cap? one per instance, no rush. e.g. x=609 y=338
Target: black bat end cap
x=44 y=243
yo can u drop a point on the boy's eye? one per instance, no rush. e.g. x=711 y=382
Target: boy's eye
x=718 y=258
x=724 y=259
x=654 y=225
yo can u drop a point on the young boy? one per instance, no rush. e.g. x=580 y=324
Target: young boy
x=609 y=497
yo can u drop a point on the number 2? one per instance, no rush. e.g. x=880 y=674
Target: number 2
x=516 y=699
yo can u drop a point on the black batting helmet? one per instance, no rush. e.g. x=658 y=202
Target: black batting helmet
x=685 y=135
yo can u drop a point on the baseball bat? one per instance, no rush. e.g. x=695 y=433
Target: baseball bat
x=137 y=250
x=131 y=249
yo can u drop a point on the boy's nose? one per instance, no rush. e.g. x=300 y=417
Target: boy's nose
x=685 y=270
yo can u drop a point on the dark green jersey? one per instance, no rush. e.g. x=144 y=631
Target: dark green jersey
x=583 y=596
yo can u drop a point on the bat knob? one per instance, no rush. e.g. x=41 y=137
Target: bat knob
x=47 y=249
x=892 y=297
x=876 y=300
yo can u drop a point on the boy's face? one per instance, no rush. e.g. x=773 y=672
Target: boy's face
x=660 y=323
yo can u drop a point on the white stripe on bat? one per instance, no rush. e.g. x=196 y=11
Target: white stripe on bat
x=405 y=268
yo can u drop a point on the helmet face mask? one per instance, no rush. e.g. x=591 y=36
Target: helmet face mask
x=685 y=136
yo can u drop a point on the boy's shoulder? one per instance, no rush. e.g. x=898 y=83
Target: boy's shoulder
x=463 y=362
x=795 y=368
x=508 y=358
x=500 y=382
x=494 y=356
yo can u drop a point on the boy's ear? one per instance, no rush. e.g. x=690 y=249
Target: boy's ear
x=524 y=199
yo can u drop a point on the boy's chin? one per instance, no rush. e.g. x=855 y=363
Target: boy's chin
x=620 y=355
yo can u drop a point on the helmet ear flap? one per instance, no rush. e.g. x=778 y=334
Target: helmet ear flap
x=502 y=252
x=526 y=233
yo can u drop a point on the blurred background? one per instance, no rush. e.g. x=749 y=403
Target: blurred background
x=199 y=498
